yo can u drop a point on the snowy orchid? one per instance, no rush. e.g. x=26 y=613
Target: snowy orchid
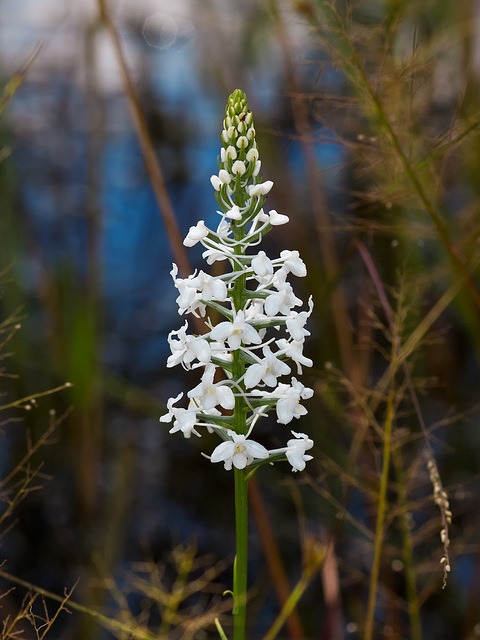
x=242 y=363
x=184 y=419
x=288 y=405
x=267 y=370
x=236 y=332
x=208 y=395
x=296 y=451
x=238 y=451
x=187 y=348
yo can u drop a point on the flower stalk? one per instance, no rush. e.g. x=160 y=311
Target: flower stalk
x=254 y=297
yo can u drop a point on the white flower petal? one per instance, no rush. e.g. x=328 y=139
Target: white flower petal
x=242 y=141
x=272 y=305
x=240 y=459
x=231 y=152
x=234 y=213
x=255 y=449
x=276 y=219
x=196 y=233
x=251 y=335
x=254 y=374
x=261 y=264
x=221 y=331
x=260 y=189
x=223 y=451
x=225 y=396
x=235 y=339
x=284 y=412
x=295 y=264
x=202 y=350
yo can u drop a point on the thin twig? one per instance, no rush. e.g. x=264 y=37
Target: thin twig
x=430 y=455
x=19 y=76
x=108 y=623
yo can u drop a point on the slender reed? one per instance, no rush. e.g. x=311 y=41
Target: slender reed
x=151 y=162
x=407 y=547
x=440 y=495
x=381 y=504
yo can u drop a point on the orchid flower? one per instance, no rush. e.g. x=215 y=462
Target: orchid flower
x=255 y=299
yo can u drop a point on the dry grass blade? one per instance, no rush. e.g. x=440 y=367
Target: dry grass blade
x=18 y=77
x=439 y=493
x=108 y=623
x=148 y=151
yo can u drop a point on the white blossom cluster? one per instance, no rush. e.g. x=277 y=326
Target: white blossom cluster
x=254 y=299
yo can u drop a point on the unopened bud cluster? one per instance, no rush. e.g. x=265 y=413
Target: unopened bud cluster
x=254 y=298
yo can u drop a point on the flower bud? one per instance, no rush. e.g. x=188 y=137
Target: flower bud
x=234 y=213
x=224 y=176
x=238 y=167
x=216 y=183
x=242 y=142
x=231 y=152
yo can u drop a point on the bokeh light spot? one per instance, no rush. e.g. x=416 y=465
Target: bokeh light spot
x=160 y=31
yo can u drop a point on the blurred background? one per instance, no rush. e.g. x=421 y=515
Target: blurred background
x=367 y=119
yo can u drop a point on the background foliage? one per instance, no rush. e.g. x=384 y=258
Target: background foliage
x=367 y=117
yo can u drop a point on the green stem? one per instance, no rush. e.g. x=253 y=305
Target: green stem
x=241 y=516
x=241 y=558
x=381 y=509
x=407 y=544
x=289 y=606
x=220 y=630
x=241 y=481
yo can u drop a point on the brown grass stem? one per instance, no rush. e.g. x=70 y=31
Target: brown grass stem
x=272 y=556
x=318 y=198
x=185 y=565
x=151 y=161
x=105 y=621
x=18 y=77
x=430 y=455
